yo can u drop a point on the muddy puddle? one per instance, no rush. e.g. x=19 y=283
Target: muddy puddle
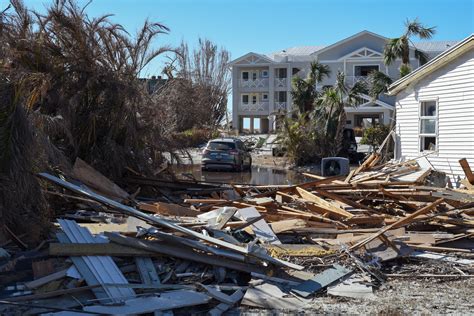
x=257 y=176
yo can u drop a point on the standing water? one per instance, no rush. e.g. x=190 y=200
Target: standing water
x=257 y=176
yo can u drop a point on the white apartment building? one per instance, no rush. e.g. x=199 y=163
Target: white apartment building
x=261 y=84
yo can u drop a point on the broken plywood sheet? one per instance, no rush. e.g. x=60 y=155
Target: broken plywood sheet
x=353 y=287
x=168 y=209
x=321 y=280
x=271 y=296
x=287 y=225
x=141 y=305
x=96 y=181
x=261 y=228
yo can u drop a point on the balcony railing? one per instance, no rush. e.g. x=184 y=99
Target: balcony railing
x=351 y=80
x=280 y=106
x=254 y=83
x=254 y=107
x=281 y=82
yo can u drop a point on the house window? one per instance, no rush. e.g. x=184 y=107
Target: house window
x=254 y=75
x=245 y=75
x=280 y=96
x=364 y=71
x=254 y=99
x=428 y=126
x=264 y=97
x=280 y=73
x=264 y=73
x=245 y=98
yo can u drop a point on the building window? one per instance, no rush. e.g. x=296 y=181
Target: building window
x=264 y=73
x=254 y=75
x=245 y=98
x=264 y=97
x=364 y=71
x=428 y=126
x=280 y=96
x=245 y=75
x=254 y=99
x=280 y=73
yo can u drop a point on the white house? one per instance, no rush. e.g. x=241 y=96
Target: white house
x=435 y=110
x=261 y=84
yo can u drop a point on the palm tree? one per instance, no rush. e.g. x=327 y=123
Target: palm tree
x=331 y=114
x=399 y=47
x=378 y=83
x=304 y=91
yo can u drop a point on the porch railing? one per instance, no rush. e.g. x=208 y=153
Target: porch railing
x=255 y=107
x=280 y=106
x=254 y=83
x=281 y=82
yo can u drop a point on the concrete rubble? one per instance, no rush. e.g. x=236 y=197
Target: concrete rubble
x=200 y=248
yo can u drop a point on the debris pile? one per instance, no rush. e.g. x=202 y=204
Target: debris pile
x=273 y=247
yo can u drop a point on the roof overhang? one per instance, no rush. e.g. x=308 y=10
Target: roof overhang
x=434 y=64
x=260 y=56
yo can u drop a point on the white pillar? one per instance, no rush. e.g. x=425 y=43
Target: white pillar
x=235 y=98
x=271 y=97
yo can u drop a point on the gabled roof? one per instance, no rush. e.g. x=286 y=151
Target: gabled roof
x=438 y=46
x=350 y=38
x=298 y=50
x=434 y=64
x=261 y=56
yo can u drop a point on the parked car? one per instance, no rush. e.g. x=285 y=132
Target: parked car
x=226 y=154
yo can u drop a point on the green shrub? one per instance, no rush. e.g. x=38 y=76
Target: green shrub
x=375 y=135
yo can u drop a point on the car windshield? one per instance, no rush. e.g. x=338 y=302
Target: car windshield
x=221 y=146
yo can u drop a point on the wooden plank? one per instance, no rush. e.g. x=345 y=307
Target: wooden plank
x=97 y=181
x=467 y=170
x=168 y=209
x=147 y=270
x=404 y=221
x=287 y=225
x=142 y=305
x=337 y=212
x=338 y=197
x=183 y=253
x=46 y=279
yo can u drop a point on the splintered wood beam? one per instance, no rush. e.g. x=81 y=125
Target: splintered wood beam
x=330 y=208
x=467 y=170
x=403 y=221
x=342 y=199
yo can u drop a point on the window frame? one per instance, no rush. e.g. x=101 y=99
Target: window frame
x=363 y=65
x=421 y=117
x=248 y=99
x=242 y=75
x=263 y=97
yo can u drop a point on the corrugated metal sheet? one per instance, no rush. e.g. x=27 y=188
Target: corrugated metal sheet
x=95 y=269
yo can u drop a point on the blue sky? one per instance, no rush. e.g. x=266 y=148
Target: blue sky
x=266 y=26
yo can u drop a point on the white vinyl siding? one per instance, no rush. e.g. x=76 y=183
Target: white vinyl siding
x=453 y=87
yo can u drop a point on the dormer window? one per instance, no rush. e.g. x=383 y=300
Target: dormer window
x=364 y=71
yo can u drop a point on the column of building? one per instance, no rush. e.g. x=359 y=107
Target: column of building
x=271 y=97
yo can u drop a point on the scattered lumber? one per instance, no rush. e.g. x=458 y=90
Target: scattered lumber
x=274 y=246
